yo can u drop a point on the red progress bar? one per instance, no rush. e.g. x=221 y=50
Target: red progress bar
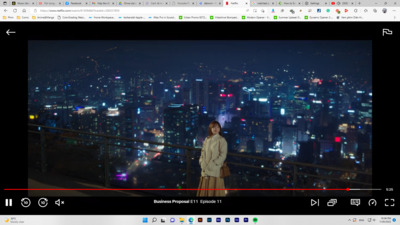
x=171 y=189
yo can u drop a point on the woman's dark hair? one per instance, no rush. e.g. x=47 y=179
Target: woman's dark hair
x=212 y=124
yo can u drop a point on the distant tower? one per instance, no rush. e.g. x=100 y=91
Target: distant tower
x=181 y=123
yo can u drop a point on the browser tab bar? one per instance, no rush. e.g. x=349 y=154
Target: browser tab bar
x=111 y=3
x=149 y=3
x=319 y=3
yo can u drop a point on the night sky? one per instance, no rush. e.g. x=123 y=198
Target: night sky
x=325 y=57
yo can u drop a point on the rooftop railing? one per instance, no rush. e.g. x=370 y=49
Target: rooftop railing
x=156 y=167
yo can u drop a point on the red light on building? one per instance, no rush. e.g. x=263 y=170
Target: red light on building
x=243 y=120
x=230 y=95
x=222 y=95
x=337 y=139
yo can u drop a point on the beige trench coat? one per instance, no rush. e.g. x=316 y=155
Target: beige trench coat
x=213 y=155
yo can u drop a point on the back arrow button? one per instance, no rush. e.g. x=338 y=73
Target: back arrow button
x=8 y=32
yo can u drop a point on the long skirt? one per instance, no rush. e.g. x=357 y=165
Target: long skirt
x=207 y=183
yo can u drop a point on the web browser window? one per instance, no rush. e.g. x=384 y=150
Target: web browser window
x=199 y=112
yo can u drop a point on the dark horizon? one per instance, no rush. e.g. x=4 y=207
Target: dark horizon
x=324 y=57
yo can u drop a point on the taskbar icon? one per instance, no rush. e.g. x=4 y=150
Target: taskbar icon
x=190 y=220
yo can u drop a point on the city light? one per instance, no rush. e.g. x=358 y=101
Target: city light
x=275 y=150
x=113 y=112
x=262 y=99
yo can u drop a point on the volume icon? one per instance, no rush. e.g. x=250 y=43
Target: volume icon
x=8 y=202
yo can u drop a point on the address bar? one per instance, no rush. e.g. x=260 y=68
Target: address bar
x=141 y=10
x=77 y=10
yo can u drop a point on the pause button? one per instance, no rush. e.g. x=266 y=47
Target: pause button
x=8 y=202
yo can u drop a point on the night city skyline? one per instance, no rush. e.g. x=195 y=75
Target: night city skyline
x=298 y=101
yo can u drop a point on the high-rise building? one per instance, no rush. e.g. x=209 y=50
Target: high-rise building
x=289 y=134
x=328 y=93
x=181 y=123
x=146 y=112
x=199 y=93
x=364 y=107
x=142 y=85
x=86 y=119
x=301 y=99
x=308 y=151
x=256 y=109
x=276 y=107
x=213 y=95
x=119 y=89
x=112 y=122
x=252 y=128
x=331 y=150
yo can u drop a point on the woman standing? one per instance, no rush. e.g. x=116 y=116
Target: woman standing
x=213 y=155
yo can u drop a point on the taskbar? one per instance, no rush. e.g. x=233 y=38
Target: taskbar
x=200 y=219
